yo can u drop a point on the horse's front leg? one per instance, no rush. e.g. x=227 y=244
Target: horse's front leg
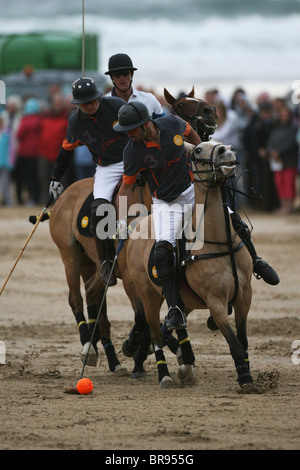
x=186 y=371
x=152 y=311
x=241 y=310
x=236 y=348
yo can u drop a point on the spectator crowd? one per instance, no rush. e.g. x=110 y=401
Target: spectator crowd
x=265 y=134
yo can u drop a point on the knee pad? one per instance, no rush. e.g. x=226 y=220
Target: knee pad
x=164 y=260
x=94 y=217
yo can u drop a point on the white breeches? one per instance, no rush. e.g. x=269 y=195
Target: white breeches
x=168 y=216
x=106 y=180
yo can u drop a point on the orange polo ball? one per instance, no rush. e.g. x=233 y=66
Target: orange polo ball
x=84 y=386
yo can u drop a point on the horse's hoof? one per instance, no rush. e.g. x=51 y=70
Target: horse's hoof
x=166 y=382
x=138 y=375
x=92 y=357
x=120 y=370
x=186 y=372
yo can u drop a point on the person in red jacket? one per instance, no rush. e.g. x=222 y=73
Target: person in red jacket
x=28 y=136
x=53 y=130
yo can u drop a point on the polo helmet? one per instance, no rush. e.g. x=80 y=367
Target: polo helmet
x=84 y=90
x=131 y=116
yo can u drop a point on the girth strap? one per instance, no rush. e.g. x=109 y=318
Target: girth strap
x=210 y=255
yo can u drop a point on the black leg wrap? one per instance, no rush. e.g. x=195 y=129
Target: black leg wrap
x=84 y=333
x=244 y=376
x=110 y=354
x=92 y=314
x=246 y=357
x=186 y=347
x=141 y=356
x=161 y=363
x=130 y=346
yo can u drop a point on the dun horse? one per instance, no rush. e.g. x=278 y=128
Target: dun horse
x=214 y=277
x=78 y=253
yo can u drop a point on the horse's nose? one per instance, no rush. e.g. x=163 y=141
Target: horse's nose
x=221 y=150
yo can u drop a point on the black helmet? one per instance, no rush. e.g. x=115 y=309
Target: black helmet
x=119 y=62
x=131 y=116
x=84 y=90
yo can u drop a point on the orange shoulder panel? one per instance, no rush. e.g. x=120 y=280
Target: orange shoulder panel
x=67 y=146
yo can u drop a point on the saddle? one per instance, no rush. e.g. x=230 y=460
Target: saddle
x=181 y=268
x=84 y=215
x=183 y=257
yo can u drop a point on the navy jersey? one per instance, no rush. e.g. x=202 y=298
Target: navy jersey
x=97 y=133
x=167 y=166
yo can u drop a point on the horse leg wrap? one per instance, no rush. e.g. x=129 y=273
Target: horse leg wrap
x=161 y=363
x=132 y=343
x=246 y=357
x=186 y=347
x=140 y=356
x=92 y=314
x=84 y=333
x=244 y=376
x=110 y=354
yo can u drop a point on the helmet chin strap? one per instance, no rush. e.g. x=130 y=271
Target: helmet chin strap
x=123 y=91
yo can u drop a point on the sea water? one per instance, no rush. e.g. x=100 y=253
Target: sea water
x=177 y=44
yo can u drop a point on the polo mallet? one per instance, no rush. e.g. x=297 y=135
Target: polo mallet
x=27 y=241
x=73 y=390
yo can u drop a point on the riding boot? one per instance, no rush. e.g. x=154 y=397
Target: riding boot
x=261 y=268
x=164 y=262
x=104 y=250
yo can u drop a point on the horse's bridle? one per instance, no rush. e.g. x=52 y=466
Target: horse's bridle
x=212 y=180
x=202 y=129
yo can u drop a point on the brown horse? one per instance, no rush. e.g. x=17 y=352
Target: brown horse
x=78 y=253
x=199 y=114
x=212 y=277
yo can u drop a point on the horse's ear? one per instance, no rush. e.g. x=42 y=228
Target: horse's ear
x=169 y=98
x=192 y=92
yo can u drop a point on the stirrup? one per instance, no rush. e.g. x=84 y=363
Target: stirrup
x=105 y=271
x=175 y=319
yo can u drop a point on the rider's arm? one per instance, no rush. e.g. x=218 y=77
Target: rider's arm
x=124 y=198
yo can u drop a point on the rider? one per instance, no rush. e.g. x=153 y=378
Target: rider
x=92 y=125
x=156 y=149
x=121 y=70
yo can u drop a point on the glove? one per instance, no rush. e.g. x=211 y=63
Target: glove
x=55 y=189
x=122 y=230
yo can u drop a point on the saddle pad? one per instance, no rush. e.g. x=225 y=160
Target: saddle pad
x=151 y=268
x=84 y=217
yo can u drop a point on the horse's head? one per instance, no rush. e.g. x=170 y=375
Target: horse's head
x=214 y=159
x=199 y=114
